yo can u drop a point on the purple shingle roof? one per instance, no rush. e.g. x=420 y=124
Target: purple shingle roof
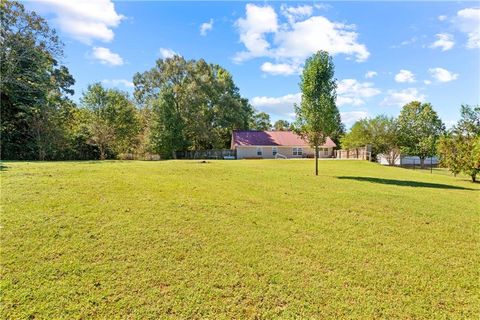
x=272 y=138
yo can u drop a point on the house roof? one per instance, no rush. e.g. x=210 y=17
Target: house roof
x=272 y=138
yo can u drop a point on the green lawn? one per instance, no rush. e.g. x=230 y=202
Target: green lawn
x=237 y=239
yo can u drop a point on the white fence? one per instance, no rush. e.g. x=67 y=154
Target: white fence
x=408 y=161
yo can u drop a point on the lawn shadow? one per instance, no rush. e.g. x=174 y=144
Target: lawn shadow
x=404 y=183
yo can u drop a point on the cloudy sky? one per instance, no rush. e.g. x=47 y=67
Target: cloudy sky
x=386 y=53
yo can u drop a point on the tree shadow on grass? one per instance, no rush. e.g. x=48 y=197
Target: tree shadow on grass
x=404 y=183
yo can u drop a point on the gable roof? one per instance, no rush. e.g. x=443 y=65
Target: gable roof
x=272 y=138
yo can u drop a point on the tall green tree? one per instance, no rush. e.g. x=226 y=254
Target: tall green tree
x=168 y=128
x=281 y=125
x=380 y=132
x=419 y=130
x=79 y=136
x=469 y=123
x=460 y=149
x=205 y=97
x=318 y=116
x=114 y=123
x=33 y=86
x=261 y=121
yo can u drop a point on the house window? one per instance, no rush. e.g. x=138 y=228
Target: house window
x=259 y=151
x=274 y=150
x=325 y=151
x=297 y=151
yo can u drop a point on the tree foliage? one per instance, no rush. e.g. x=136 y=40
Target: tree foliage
x=318 y=116
x=261 y=121
x=460 y=149
x=204 y=97
x=168 y=127
x=34 y=87
x=282 y=125
x=113 y=120
x=380 y=132
x=419 y=130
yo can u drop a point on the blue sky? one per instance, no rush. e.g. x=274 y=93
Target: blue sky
x=385 y=53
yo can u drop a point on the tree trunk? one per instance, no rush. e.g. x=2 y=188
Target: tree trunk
x=422 y=163
x=102 y=153
x=316 y=159
x=474 y=177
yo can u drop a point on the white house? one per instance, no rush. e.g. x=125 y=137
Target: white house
x=272 y=144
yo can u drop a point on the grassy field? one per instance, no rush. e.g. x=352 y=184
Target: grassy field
x=237 y=239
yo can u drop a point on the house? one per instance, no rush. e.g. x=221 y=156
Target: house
x=273 y=144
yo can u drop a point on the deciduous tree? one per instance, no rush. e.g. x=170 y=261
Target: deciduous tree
x=317 y=115
x=419 y=130
x=261 y=121
x=380 y=132
x=33 y=86
x=168 y=127
x=460 y=149
x=281 y=125
x=205 y=97
x=114 y=123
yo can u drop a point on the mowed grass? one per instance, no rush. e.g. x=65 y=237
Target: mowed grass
x=237 y=239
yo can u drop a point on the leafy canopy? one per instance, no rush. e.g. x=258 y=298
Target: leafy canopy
x=460 y=149
x=33 y=86
x=203 y=95
x=419 y=129
x=113 y=121
x=318 y=116
x=380 y=132
x=281 y=125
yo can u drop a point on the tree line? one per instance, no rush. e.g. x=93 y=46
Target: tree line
x=418 y=131
x=184 y=104
x=177 y=105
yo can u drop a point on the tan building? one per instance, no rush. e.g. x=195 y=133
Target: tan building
x=276 y=144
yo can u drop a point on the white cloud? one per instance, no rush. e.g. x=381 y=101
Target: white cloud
x=118 y=82
x=206 y=27
x=442 y=17
x=468 y=21
x=259 y=20
x=351 y=117
x=444 y=41
x=292 y=42
x=281 y=107
x=84 y=20
x=407 y=42
x=442 y=75
x=427 y=82
x=370 y=74
x=105 y=56
x=303 y=38
x=352 y=92
x=401 y=97
x=167 y=53
x=295 y=13
x=280 y=68
x=405 y=76
x=349 y=92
